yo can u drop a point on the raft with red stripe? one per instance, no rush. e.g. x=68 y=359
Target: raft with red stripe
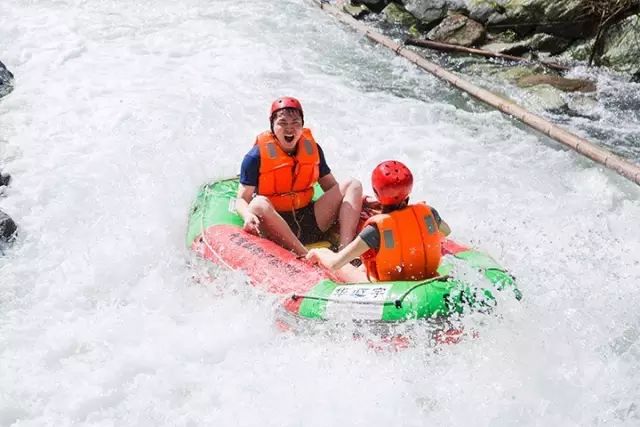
x=310 y=293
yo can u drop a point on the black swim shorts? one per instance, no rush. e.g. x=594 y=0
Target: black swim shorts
x=303 y=224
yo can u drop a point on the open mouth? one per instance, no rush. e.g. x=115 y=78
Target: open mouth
x=288 y=138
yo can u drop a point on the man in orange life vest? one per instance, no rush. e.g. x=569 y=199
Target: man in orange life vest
x=401 y=243
x=276 y=185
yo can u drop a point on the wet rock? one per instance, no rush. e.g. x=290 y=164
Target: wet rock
x=583 y=106
x=566 y=85
x=545 y=97
x=6 y=80
x=458 y=29
x=5 y=179
x=621 y=46
x=396 y=14
x=358 y=12
x=8 y=230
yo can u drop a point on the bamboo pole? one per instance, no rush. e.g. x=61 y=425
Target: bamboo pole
x=581 y=145
x=446 y=47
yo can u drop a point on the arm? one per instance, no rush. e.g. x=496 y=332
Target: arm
x=251 y=221
x=334 y=261
x=249 y=173
x=245 y=193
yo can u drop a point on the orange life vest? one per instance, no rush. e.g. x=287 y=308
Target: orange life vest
x=288 y=180
x=409 y=245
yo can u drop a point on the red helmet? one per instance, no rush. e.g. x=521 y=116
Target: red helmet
x=286 y=102
x=392 y=182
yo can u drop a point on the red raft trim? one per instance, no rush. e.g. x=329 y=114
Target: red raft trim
x=449 y=247
x=268 y=266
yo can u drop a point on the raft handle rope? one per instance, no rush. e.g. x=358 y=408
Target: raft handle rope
x=203 y=237
x=397 y=303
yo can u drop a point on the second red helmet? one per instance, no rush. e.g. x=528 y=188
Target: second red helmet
x=285 y=102
x=392 y=182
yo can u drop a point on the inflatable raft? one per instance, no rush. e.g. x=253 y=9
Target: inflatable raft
x=311 y=293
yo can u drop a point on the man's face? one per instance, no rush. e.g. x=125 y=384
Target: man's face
x=287 y=126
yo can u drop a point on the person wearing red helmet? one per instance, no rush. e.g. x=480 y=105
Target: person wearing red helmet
x=275 y=196
x=402 y=242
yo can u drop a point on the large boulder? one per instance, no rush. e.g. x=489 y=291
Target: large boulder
x=458 y=29
x=566 y=18
x=621 y=46
x=6 y=80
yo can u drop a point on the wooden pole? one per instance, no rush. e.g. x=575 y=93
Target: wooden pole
x=473 y=51
x=581 y=145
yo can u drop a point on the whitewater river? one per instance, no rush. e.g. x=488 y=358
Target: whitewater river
x=122 y=109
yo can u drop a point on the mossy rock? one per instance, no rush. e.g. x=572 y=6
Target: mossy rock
x=396 y=14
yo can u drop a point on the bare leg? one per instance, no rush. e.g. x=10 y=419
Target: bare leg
x=344 y=202
x=276 y=228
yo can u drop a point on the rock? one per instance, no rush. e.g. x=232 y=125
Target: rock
x=518 y=72
x=487 y=11
x=538 y=42
x=565 y=18
x=375 y=6
x=579 y=51
x=8 y=230
x=395 y=14
x=545 y=97
x=566 y=85
x=621 y=45
x=583 y=106
x=635 y=78
x=507 y=36
x=458 y=29
x=549 y=43
x=427 y=11
x=5 y=179
x=483 y=10
x=6 y=80
x=515 y=49
x=358 y=12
